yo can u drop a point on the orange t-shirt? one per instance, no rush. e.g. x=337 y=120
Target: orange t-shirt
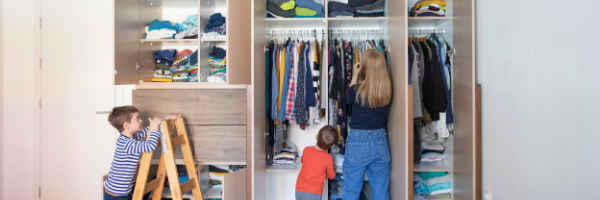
x=316 y=164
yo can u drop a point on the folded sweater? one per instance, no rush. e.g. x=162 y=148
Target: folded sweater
x=276 y=10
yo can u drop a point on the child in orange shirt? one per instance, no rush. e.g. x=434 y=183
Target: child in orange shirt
x=316 y=165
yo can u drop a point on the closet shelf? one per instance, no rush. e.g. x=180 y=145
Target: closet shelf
x=295 y=23
x=294 y=19
x=212 y=193
x=416 y=197
x=364 y=22
x=186 y=41
x=180 y=86
x=177 y=162
x=182 y=162
x=213 y=40
x=428 y=21
x=432 y=168
x=286 y=168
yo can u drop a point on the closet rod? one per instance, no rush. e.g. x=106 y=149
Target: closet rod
x=425 y=31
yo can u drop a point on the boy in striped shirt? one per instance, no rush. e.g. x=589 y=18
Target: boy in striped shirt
x=130 y=145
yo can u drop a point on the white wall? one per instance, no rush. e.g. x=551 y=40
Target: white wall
x=19 y=104
x=538 y=67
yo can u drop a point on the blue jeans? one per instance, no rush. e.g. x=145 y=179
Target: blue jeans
x=307 y=196
x=367 y=150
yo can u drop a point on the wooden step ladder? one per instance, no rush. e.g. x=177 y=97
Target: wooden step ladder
x=173 y=134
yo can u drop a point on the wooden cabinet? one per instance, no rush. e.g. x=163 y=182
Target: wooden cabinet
x=134 y=55
x=215 y=120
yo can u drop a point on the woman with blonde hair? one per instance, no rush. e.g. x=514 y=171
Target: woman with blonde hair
x=367 y=149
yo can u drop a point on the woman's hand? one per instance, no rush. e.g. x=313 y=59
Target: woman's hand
x=356 y=68
x=356 y=71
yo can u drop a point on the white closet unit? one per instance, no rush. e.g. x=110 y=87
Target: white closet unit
x=464 y=158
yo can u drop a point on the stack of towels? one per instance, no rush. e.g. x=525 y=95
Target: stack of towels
x=218 y=65
x=356 y=8
x=174 y=66
x=163 y=29
x=433 y=185
x=287 y=156
x=429 y=8
x=216 y=27
x=294 y=9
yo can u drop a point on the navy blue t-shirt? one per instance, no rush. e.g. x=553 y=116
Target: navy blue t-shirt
x=364 y=117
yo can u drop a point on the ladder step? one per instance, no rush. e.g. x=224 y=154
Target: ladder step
x=178 y=141
x=152 y=185
x=188 y=185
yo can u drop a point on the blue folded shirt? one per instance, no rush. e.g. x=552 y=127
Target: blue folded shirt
x=157 y=25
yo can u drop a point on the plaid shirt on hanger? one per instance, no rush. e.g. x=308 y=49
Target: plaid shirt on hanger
x=290 y=107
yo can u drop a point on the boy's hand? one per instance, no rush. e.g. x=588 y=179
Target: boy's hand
x=154 y=123
x=172 y=117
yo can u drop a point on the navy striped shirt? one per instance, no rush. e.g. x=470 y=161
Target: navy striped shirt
x=120 y=179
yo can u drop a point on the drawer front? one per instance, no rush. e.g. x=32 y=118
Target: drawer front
x=220 y=107
x=220 y=143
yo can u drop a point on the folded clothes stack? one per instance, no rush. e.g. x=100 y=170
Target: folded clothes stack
x=356 y=8
x=432 y=153
x=429 y=8
x=433 y=185
x=216 y=27
x=163 y=29
x=294 y=9
x=218 y=65
x=287 y=156
x=216 y=174
x=368 y=8
x=160 y=30
x=173 y=66
x=340 y=10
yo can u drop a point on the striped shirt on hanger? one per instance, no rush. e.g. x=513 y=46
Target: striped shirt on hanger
x=120 y=179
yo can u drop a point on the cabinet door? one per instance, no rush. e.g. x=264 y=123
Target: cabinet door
x=238 y=45
x=257 y=159
x=400 y=184
x=466 y=181
x=126 y=42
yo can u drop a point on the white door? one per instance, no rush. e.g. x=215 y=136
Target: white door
x=77 y=58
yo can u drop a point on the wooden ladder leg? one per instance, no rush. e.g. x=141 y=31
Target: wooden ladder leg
x=161 y=176
x=142 y=175
x=189 y=159
x=170 y=164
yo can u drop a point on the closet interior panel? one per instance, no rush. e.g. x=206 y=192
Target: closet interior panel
x=257 y=155
x=238 y=45
x=126 y=42
x=148 y=13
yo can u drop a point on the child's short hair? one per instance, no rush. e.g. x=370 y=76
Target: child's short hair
x=327 y=137
x=120 y=115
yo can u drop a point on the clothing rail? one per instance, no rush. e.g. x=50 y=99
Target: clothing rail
x=357 y=33
x=415 y=32
x=305 y=33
